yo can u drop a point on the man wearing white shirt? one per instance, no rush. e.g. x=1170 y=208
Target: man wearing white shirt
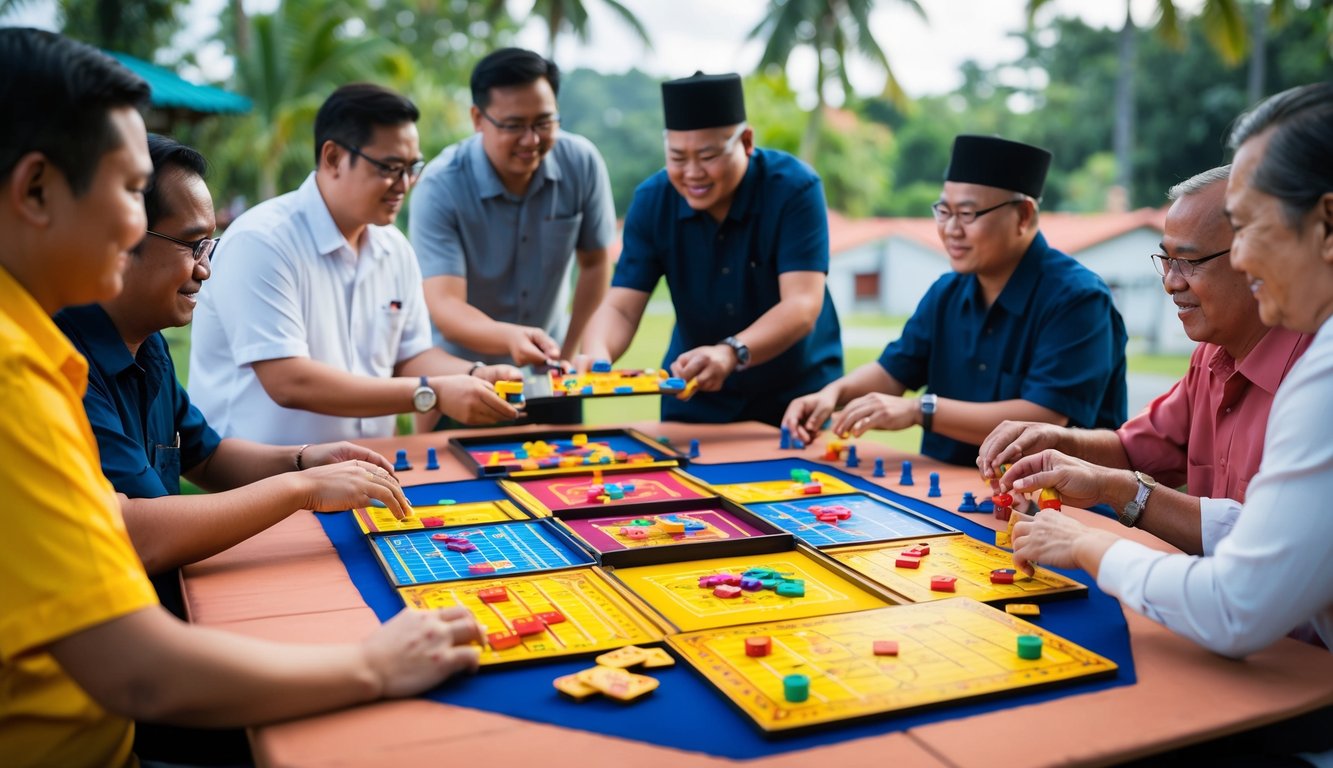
x=1274 y=573
x=314 y=327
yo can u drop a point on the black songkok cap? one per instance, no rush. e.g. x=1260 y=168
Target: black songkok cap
x=703 y=101
x=995 y=162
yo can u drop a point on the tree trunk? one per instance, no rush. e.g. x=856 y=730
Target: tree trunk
x=242 y=23
x=1123 y=139
x=1258 y=52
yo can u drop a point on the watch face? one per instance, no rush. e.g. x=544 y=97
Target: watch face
x=424 y=399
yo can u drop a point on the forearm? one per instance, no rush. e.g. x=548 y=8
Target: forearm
x=970 y=422
x=789 y=321
x=238 y=462
x=307 y=385
x=589 y=290
x=612 y=326
x=1097 y=446
x=870 y=377
x=467 y=326
x=1171 y=516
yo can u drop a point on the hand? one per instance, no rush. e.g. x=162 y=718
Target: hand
x=709 y=366
x=347 y=484
x=530 y=346
x=470 y=400
x=324 y=454
x=494 y=373
x=1011 y=441
x=876 y=411
x=1079 y=483
x=1055 y=539
x=416 y=650
x=806 y=415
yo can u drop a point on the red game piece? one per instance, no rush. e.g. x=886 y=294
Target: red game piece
x=493 y=595
x=726 y=591
x=886 y=647
x=477 y=569
x=444 y=537
x=528 y=625
x=1003 y=500
x=551 y=617
x=923 y=548
x=917 y=551
x=461 y=546
x=1002 y=576
x=502 y=640
x=942 y=583
x=432 y=522
x=827 y=517
x=1003 y=513
x=812 y=489
x=905 y=561
x=758 y=646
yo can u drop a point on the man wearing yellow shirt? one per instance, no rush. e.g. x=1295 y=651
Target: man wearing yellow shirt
x=84 y=646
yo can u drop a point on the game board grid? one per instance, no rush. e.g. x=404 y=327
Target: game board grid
x=873 y=519
x=416 y=558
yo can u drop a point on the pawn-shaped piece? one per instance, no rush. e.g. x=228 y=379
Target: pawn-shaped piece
x=852 y=461
x=879 y=468
x=906 y=477
x=432 y=461
x=400 y=462
x=969 y=502
x=694 y=449
x=784 y=442
x=759 y=646
x=1049 y=499
x=796 y=688
x=934 y=491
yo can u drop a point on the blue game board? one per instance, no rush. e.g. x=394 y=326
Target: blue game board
x=872 y=520
x=417 y=557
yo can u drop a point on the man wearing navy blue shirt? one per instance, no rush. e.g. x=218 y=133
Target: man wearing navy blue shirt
x=1018 y=331
x=148 y=433
x=741 y=236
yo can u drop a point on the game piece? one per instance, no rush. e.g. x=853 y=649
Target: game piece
x=903 y=561
x=623 y=658
x=432 y=522
x=784 y=442
x=757 y=647
x=694 y=449
x=1002 y=576
x=800 y=476
x=969 y=504
x=528 y=625
x=797 y=444
x=461 y=547
x=749 y=584
x=1029 y=647
x=934 y=491
x=727 y=592
x=478 y=569
x=576 y=689
x=655 y=658
x=906 y=477
x=920 y=550
x=636 y=533
x=879 y=468
x=493 y=595
x=502 y=640
x=833 y=452
x=1023 y=610
x=791 y=589
x=1003 y=500
x=443 y=537
x=796 y=688
x=812 y=489
x=672 y=385
x=852 y=461
x=601 y=366
x=985 y=506
x=579 y=439
x=551 y=617
x=886 y=647
x=400 y=462
x=942 y=583
x=1049 y=498
x=617 y=683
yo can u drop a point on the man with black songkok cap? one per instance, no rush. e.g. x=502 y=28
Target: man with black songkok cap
x=741 y=236
x=1018 y=331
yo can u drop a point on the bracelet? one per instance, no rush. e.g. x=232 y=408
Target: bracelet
x=473 y=370
x=300 y=451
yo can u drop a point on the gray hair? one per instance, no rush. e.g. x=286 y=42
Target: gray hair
x=1297 y=169
x=1199 y=182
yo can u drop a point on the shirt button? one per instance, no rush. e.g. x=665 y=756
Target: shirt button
x=726 y=270
x=524 y=239
x=981 y=367
x=731 y=309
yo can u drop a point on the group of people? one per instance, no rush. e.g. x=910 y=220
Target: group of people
x=316 y=322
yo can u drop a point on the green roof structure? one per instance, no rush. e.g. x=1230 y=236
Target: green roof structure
x=173 y=94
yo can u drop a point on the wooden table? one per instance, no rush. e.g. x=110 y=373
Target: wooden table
x=288 y=583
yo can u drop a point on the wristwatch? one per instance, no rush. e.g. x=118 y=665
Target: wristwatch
x=927 y=402
x=423 y=397
x=742 y=352
x=1129 y=516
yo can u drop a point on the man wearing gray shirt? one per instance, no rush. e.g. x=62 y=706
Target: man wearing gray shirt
x=496 y=218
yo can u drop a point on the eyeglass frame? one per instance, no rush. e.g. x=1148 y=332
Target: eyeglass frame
x=386 y=170
x=727 y=145
x=198 y=249
x=963 y=216
x=544 y=126
x=1163 y=269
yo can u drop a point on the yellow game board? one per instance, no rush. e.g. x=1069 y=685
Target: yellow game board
x=779 y=490
x=673 y=589
x=376 y=519
x=596 y=616
x=947 y=651
x=969 y=561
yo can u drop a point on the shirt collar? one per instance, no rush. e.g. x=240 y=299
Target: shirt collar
x=101 y=341
x=488 y=181
x=1267 y=364
x=47 y=340
x=741 y=202
x=324 y=230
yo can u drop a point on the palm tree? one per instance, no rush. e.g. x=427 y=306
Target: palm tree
x=570 y=16
x=833 y=29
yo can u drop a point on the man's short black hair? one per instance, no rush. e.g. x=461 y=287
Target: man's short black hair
x=167 y=153
x=59 y=94
x=349 y=115
x=511 y=66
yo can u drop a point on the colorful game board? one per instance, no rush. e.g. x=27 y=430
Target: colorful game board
x=553 y=495
x=593 y=615
x=673 y=590
x=872 y=519
x=381 y=520
x=947 y=651
x=554 y=383
x=531 y=454
x=968 y=561
x=422 y=557
x=778 y=490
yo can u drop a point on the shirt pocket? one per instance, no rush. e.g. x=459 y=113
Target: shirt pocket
x=1201 y=478
x=559 y=238
x=386 y=338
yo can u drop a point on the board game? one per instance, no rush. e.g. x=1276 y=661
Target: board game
x=968 y=561
x=778 y=490
x=566 y=493
x=579 y=612
x=425 y=556
x=852 y=519
x=674 y=590
x=945 y=651
x=531 y=454
x=545 y=383
x=378 y=519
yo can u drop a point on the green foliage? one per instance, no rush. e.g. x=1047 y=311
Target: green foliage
x=140 y=28
x=622 y=115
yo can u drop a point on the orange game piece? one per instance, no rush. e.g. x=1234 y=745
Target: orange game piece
x=886 y=647
x=493 y=595
x=756 y=647
x=502 y=640
x=551 y=617
x=528 y=625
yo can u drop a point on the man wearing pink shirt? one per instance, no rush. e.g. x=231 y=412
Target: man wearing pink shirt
x=1207 y=432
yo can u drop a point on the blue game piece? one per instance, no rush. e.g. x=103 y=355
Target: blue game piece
x=750 y=584
x=521 y=453
x=601 y=366
x=629 y=487
x=694 y=525
x=879 y=468
x=605 y=459
x=400 y=462
x=969 y=502
x=624 y=390
x=906 y=478
x=797 y=444
x=587 y=390
x=987 y=506
x=784 y=442
x=694 y=449
x=934 y=491
x=852 y=461
x=432 y=461
x=672 y=384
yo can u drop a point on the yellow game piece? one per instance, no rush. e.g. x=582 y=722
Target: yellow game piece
x=573 y=687
x=656 y=657
x=1026 y=610
x=617 y=683
x=671 y=526
x=509 y=387
x=494 y=460
x=690 y=387
x=629 y=656
x=580 y=439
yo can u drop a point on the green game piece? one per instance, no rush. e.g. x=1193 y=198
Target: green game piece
x=793 y=589
x=760 y=573
x=796 y=688
x=445 y=502
x=770 y=583
x=664 y=440
x=800 y=475
x=641 y=521
x=1029 y=647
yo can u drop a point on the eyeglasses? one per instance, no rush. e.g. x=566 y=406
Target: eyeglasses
x=542 y=126
x=1186 y=267
x=388 y=170
x=711 y=156
x=967 y=215
x=199 y=249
